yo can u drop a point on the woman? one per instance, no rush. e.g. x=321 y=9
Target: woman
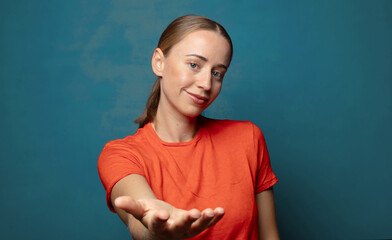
x=183 y=175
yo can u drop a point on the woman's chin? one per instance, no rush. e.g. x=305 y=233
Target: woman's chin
x=193 y=114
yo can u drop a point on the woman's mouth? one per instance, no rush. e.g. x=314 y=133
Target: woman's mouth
x=198 y=99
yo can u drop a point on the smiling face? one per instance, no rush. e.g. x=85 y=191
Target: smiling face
x=192 y=72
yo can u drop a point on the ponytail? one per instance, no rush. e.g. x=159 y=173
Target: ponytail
x=151 y=106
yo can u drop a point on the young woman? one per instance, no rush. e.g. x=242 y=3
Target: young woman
x=182 y=175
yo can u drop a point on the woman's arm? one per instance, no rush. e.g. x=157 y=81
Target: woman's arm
x=149 y=218
x=268 y=229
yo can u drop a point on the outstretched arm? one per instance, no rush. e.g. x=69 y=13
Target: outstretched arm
x=268 y=228
x=150 y=218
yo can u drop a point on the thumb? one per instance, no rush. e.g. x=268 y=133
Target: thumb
x=130 y=205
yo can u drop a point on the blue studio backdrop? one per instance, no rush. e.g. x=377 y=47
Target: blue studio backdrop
x=315 y=76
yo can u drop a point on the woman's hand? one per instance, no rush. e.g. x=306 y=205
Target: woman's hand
x=167 y=222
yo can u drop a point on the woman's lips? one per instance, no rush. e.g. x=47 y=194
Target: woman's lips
x=200 y=100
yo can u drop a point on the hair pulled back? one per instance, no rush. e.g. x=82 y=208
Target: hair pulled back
x=173 y=34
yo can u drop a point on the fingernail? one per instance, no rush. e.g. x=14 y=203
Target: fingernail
x=220 y=210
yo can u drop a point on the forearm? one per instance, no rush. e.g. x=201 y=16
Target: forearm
x=139 y=189
x=268 y=228
x=138 y=231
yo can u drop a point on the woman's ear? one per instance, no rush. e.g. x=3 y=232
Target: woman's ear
x=158 y=62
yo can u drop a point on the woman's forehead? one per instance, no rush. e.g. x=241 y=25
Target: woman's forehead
x=207 y=43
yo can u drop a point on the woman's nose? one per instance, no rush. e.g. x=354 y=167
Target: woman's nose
x=205 y=81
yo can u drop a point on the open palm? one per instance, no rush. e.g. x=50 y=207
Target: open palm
x=164 y=221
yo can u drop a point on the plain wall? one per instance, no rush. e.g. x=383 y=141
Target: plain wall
x=315 y=76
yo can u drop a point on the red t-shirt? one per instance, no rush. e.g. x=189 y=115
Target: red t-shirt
x=225 y=165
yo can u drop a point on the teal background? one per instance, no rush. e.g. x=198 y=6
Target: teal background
x=315 y=76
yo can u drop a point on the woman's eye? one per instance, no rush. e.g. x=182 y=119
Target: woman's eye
x=216 y=74
x=193 y=65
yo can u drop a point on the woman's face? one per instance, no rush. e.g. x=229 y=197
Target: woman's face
x=192 y=73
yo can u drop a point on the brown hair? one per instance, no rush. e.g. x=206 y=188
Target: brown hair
x=173 y=34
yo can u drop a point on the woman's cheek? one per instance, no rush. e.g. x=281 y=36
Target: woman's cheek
x=185 y=78
x=178 y=74
x=217 y=89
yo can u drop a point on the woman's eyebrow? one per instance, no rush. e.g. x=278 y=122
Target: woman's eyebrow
x=197 y=55
x=205 y=59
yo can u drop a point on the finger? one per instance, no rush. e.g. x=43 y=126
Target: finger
x=159 y=221
x=130 y=205
x=183 y=221
x=194 y=214
x=162 y=215
x=202 y=223
x=218 y=214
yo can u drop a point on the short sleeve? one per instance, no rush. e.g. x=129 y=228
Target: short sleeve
x=265 y=176
x=115 y=162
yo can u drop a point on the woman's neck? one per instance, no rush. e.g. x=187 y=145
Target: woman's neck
x=172 y=128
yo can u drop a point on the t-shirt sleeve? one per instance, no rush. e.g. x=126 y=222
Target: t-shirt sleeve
x=115 y=162
x=265 y=176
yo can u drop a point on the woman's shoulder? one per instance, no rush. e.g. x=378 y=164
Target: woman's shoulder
x=231 y=127
x=129 y=142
